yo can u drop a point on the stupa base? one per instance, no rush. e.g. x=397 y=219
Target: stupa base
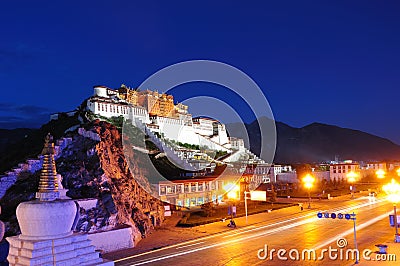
x=75 y=249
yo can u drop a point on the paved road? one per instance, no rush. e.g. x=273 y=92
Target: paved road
x=287 y=229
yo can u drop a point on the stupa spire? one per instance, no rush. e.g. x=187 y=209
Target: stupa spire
x=48 y=186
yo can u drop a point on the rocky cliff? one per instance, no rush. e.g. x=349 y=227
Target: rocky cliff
x=134 y=205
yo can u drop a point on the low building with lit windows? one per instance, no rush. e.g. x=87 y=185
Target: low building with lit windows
x=192 y=192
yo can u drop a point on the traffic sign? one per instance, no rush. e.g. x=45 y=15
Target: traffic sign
x=391 y=220
x=347 y=216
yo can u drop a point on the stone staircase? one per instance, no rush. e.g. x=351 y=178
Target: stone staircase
x=170 y=152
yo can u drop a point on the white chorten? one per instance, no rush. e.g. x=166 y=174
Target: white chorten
x=46 y=225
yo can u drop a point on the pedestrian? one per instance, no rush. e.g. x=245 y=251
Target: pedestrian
x=301 y=206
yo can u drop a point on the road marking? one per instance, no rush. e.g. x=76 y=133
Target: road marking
x=266 y=226
x=191 y=245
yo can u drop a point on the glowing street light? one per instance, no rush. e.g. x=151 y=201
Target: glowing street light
x=308 y=181
x=398 y=172
x=393 y=191
x=232 y=191
x=380 y=173
x=351 y=178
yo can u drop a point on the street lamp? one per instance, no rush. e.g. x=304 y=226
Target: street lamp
x=380 y=173
x=232 y=191
x=393 y=191
x=351 y=178
x=308 y=181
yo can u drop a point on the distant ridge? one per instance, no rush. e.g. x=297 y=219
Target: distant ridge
x=319 y=142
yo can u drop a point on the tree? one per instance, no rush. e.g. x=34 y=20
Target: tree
x=335 y=182
x=208 y=208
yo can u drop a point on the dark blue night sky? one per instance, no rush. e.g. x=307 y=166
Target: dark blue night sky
x=334 y=62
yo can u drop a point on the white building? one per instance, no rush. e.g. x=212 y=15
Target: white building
x=339 y=171
x=376 y=166
x=236 y=144
x=203 y=126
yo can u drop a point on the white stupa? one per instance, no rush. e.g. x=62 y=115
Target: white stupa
x=46 y=225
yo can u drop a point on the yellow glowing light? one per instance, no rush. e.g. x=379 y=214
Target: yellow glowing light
x=398 y=172
x=232 y=190
x=380 y=173
x=351 y=177
x=393 y=191
x=308 y=181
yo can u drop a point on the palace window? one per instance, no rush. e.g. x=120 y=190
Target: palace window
x=162 y=190
x=193 y=187
x=179 y=188
x=170 y=189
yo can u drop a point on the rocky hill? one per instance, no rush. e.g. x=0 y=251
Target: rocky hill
x=320 y=143
x=93 y=169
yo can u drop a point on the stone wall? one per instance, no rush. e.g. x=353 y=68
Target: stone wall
x=89 y=134
x=31 y=165
x=113 y=240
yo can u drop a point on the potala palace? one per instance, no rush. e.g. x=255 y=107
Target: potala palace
x=158 y=114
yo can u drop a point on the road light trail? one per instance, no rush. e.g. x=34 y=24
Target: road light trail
x=357 y=206
x=304 y=219
x=258 y=235
x=223 y=243
x=190 y=245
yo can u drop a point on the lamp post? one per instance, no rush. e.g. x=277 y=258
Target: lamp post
x=351 y=178
x=393 y=191
x=308 y=181
x=246 y=193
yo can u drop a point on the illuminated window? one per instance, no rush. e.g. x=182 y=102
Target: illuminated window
x=162 y=190
x=179 y=188
x=193 y=187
